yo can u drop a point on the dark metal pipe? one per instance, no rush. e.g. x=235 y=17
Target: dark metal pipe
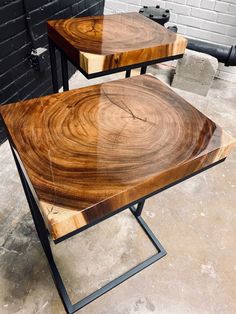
x=28 y=23
x=224 y=54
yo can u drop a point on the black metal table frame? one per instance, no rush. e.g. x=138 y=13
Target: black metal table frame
x=64 y=67
x=43 y=235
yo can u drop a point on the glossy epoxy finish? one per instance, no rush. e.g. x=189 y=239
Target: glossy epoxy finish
x=90 y=151
x=100 y=43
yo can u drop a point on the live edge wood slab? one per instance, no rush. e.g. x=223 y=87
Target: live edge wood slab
x=101 y=43
x=91 y=151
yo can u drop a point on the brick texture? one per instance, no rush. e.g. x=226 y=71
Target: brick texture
x=17 y=78
x=209 y=20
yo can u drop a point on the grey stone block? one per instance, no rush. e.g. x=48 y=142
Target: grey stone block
x=195 y=72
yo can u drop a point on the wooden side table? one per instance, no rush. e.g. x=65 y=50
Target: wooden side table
x=88 y=154
x=101 y=45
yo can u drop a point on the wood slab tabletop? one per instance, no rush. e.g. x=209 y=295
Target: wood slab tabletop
x=91 y=151
x=100 y=43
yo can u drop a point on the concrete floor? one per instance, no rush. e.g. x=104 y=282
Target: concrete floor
x=195 y=221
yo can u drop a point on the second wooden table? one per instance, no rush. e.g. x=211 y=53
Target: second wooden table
x=101 y=45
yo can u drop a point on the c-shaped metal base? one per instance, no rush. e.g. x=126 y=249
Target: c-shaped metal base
x=43 y=236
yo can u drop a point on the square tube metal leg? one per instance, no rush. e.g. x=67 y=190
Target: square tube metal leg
x=64 y=72
x=43 y=236
x=138 y=211
x=128 y=73
x=143 y=70
x=53 y=60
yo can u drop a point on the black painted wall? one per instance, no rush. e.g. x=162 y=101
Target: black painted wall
x=19 y=19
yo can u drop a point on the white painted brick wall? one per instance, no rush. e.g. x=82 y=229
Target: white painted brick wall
x=209 y=20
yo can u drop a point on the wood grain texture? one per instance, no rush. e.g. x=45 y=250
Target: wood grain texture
x=102 y=43
x=90 y=151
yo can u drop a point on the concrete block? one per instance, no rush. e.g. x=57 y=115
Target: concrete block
x=232 y=8
x=178 y=8
x=194 y=3
x=226 y=19
x=189 y=21
x=215 y=27
x=221 y=6
x=204 y=14
x=195 y=72
x=208 y=4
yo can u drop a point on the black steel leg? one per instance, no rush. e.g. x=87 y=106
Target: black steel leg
x=37 y=217
x=143 y=70
x=43 y=236
x=52 y=52
x=151 y=237
x=128 y=73
x=64 y=71
x=138 y=211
